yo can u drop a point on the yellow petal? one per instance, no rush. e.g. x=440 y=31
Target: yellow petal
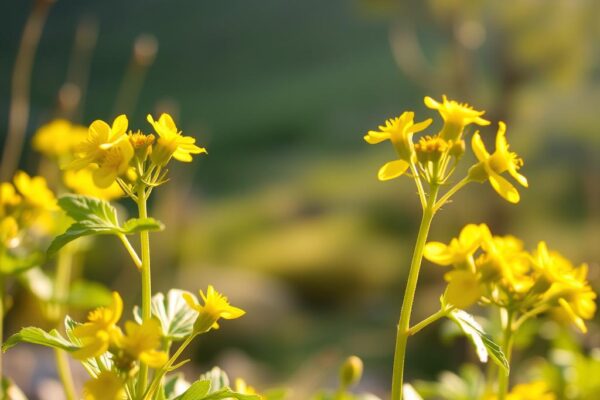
x=504 y=188
x=431 y=103
x=479 y=148
x=191 y=301
x=154 y=358
x=392 y=169
x=232 y=313
x=374 y=137
x=167 y=120
x=99 y=132
x=119 y=126
x=420 y=126
x=437 y=253
x=463 y=288
x=104 y=177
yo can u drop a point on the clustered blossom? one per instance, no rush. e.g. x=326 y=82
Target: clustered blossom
x=498 y=270
x=26 y=205
x=434 y=157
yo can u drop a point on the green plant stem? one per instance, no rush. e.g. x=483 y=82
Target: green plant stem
x=451 y=193
x=429 y=320
x=419 y=184
x=131 y=251
x=160 y=374
x=409 y=296
x=503 y=377
x=146 y=280
x=61 y=290
x=64 y=373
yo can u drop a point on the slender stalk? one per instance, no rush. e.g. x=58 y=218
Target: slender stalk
x=409 y=296
x=429 y=320
x=159 y=375
x=146 y=279
x=503 y=378
x=451 y=193
x=64 y=373
x=61 y=289
x=131 y=251
x=18 y=113
x=419 y=184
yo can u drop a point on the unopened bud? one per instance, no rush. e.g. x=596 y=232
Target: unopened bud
x=351 y=371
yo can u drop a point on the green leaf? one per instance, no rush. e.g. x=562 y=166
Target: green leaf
x=39 y=336
x=136 y=225
x=227 y=393
x=198 y=390
x=175 y=316
x=217 y=377
x=175 y=385
x=484 y=345
x=96 y=217
x=87 y=294
x=93 y=365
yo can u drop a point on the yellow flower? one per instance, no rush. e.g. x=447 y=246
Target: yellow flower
x=505 y=263
x=573 y=297
x=242 y=387
x=106 y=386
x=100 y=138
x=115 y=163
x=8 y=198
x=491 y=166
x=215 y=306
x=9 y=229
x=58 y=138
x=460 y=250
x=531 y=391
x=82 y=182
x=100 y=331
x=456 y=116
x=35 y=191
x=463 y=288
x=171 y=143
x=141 y=341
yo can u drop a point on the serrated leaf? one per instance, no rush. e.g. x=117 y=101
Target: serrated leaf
x=217 y=377
x=175 y=316
x=39 y=336
x=484 y=344
x=95 y=217
x=85 y=208
x=198 y=390
x=175 y=385
x=227 y=393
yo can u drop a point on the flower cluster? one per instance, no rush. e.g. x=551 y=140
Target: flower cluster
x=434 y=157
x=141 y=343
x=116 y=154
x=27 y=209
x=497 y=270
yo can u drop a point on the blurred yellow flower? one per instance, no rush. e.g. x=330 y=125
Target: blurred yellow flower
x=35 y=191
x=100 y=331
x=82 y=182
x=456 y=116
x=215 y=306
x=115 y=163
x=171 y=143
x=531 y=391
x=9 y=230
x=505 y=263
x=491 y=166
x=141 y=342
x=242 y=387
x=59 y=138
x=106 y=386
x=8 y=198
x=460 y=250
x=463 y=288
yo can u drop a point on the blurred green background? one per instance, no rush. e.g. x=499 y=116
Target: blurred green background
x=285 y=214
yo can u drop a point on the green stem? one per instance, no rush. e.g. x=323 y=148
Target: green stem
x=409 y=296
x=131 y=251
x=159 y=375
x=503 y=377
x=64 y=373
x=429 y=320
x=451 y=193
x=146 y=280
x=62 y=282
x=419 y=184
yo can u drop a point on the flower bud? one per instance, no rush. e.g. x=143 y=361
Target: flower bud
x=351 y=371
